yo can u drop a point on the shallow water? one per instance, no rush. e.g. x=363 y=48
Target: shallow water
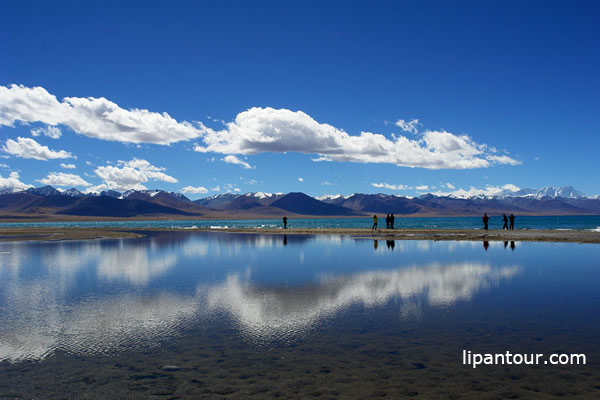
x=196 y=314
x=564 y=222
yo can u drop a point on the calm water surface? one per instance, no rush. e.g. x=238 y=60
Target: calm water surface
x=219 y=315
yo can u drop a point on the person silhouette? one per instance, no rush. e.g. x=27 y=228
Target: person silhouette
x=485 y=219
x=285 y=240
x=284 y=222
x=505 y=218
x=512 y=244
x=486 y=244
x=505 y=243
x=392 y=220
x=374 y=227
x=387 y=221
x=375 y=244
x=512 y=222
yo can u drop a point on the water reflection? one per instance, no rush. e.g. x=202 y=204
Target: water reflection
x=265 y=313
x=105 y=297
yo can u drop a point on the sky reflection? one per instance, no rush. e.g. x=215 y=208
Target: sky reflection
x=103 y=297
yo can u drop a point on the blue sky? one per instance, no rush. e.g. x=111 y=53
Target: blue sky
x=218 y=96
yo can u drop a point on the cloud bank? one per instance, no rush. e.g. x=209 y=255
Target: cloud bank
x=254 y=131
x=260 y=130
x=13 y=182
x=94 y=117
x=195 y=190
x=64 y=179
x=131 y=175
x=29 y=148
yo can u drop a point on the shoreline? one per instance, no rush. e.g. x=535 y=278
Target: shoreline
x=524 y=235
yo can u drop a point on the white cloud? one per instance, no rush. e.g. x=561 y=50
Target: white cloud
x=327 y=183
x=503 y=160
x=388 y=186
x=67 y=166
x=216 y=189
x=63 y=179
x=196 y=190
x=252 y=182
x=237 y=190
x=96 y=189
x=94 y=117
x=488 y=191
x=131 y=174
x=234 y=160
x=88 y=163
x=300 y=179
x=422 y=187
x=13 y=182
x=410 y=126
x=4 y=166
x=259 y=130
x=29 y=148
x=450 y=186
x=50 y=131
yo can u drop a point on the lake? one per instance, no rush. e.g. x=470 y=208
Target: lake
x=565 y=222
x=223 y=315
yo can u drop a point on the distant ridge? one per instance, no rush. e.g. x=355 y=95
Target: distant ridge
x=301 y=203
x=48 y=201
x=105 y=206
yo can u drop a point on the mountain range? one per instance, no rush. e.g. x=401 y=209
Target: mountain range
x=48 y=202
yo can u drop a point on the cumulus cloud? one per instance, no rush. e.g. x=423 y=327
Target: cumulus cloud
x=196 y=190
x=230 y=159
x=259 y=130
x=50 y=131
x=488 y=191
x=300 y=179
x=388 y=186
x=13 y=182
x=408 y=126
x=450 y=186
x=29 y=148
x=67 y=166
x=64 y=179
x=94 y=117
x=422 y=187
x=96 y=189
x=132 y=174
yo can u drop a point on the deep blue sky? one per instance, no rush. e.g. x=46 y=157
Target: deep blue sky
x=519 y=76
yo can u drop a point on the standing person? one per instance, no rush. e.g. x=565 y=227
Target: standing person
x=505 y=218
x=512 y=222
x=392 y=221
x=284 y=222
x=387 y=221
x=374 y=222
x=486 y=219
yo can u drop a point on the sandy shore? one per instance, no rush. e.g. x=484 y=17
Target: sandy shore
x=526 y=235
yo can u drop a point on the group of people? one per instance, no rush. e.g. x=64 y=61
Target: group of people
x=506 y=220
x=389 y=222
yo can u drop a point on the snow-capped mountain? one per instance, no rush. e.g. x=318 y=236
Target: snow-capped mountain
x=567 y=192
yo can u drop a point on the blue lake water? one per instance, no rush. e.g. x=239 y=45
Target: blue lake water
x=589 y=222
x=222 y=315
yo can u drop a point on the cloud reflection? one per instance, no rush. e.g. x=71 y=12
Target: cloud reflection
x=46 y=311
x=265 y=313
